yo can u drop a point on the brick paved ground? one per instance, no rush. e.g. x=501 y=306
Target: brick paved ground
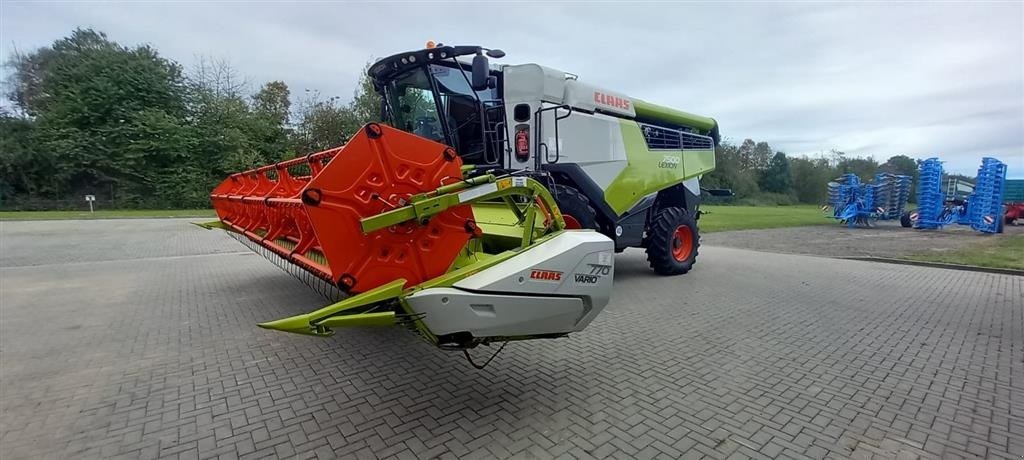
x=886 y=239
x=143 y=344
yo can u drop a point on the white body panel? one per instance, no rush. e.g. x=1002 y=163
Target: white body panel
x=527 y=82
x=447 y=311
x=535 y=83
x=591 y=140
x=588 y=138
x=558 y=286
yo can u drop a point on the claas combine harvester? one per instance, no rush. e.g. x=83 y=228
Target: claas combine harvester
x=485 y=207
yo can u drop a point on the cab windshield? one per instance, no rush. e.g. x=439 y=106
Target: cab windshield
x=437 y=102
x=410 y=98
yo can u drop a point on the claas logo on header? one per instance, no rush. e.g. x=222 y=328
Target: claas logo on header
x=546 y=275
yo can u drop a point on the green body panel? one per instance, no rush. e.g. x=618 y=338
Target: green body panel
x=498 y=222
x=471 y=253
x=379 y=319
x=697 y=162
x=309 y=323
x=650 y=111
x=483 y=188
x=649 y=171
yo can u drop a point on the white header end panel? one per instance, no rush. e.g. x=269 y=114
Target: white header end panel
x=573 y=263
x=557 y=286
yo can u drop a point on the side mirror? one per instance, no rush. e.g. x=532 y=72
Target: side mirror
x=481 y=70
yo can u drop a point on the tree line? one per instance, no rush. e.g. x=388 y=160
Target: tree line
x=137 y=130
x=759 y=175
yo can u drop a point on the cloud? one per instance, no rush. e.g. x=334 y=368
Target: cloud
x=923 y=80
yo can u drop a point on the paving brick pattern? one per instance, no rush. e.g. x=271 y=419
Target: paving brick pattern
x=143 y=344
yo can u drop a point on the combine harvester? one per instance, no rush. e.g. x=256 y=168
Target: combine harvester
x=855 y=203
x=982 y=210
x=485 y=208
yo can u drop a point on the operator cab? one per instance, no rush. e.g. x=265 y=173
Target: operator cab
x=434 y=95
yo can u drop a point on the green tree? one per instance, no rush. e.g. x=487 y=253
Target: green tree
x=25 y=80
x=327 y=123
x=754 y=155
x=24 y=169
x=810 y=179
x=272 y=102
x=775 y=178
x=864 y=168
x=221 y=122
x=95 y=102
x=761 y=156
x=365 y=105
x=730 y=172
x=902 y=164
x=323 y=124
x=745 y=153
x=268 y=125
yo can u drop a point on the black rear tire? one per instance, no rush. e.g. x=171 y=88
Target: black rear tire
x=905 y=221
x=573 y=203
x=672 y=242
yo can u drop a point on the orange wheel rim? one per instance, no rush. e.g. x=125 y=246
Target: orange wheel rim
x=682 y=243
x=571 y=223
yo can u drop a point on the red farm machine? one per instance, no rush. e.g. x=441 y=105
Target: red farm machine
x=1014 y=201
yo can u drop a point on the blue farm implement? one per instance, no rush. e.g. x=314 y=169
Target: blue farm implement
x=855 y=203
x=892 y=194
x=931 y=210
x=985 y=206
x=982 y=210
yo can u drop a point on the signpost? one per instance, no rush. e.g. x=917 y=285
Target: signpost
x=90 y=199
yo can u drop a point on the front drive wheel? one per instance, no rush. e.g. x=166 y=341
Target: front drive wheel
x=672 y=242
x=575 y=208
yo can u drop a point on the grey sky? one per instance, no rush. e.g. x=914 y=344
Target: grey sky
x=876 y=79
